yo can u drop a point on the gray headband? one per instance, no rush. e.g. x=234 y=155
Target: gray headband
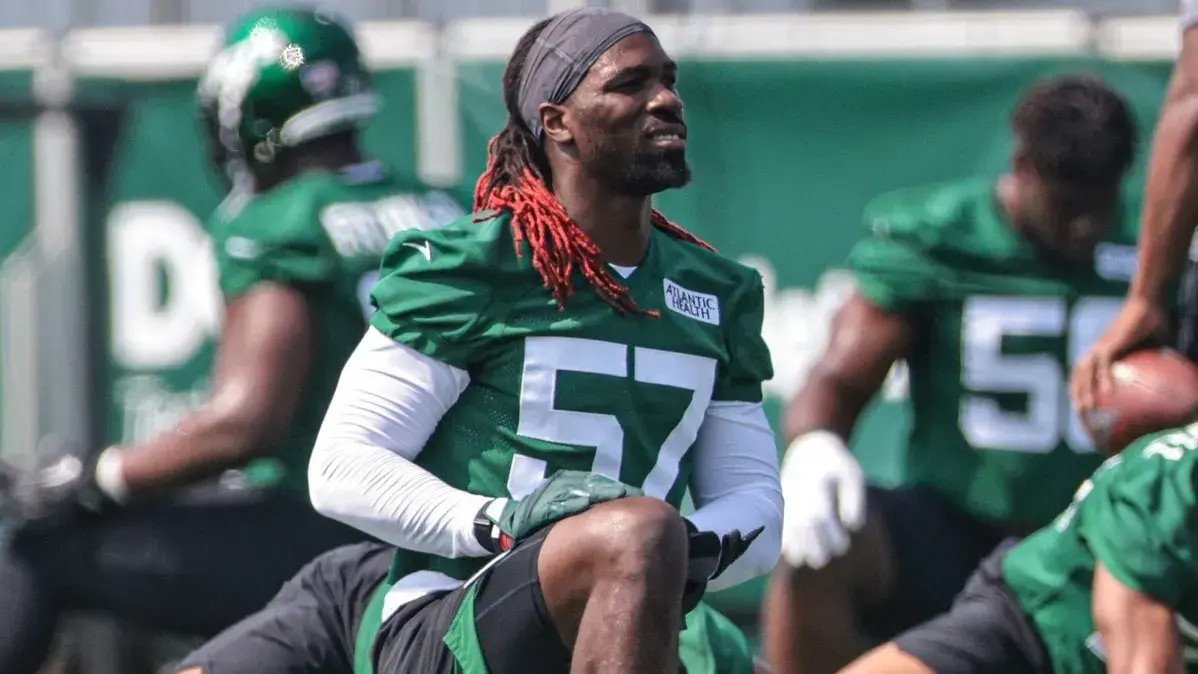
x=563 y=54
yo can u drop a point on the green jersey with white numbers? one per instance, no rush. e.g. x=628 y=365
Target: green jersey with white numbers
x=580 y=388
x=998 y=325
x=1135 y=516
x=323 y=233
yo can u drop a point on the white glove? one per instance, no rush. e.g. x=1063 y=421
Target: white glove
x=824 y=492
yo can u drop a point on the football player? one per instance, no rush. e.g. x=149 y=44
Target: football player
x=1108 y=587
x=1169 y=218
x=544 y=379
x=988 y=289
x=297 y=252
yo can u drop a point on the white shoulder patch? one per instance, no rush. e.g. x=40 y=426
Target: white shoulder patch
x=699 y=306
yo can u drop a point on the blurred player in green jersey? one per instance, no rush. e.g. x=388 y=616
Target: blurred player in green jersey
x=543 y=381
x=989 y=290
x=1108 y=587
x=145 y=532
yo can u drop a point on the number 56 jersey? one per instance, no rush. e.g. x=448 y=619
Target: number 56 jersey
x=998 y=325
x=581 y=388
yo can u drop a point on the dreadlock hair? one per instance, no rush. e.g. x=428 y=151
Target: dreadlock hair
x=1076 y=129
x=518 y=179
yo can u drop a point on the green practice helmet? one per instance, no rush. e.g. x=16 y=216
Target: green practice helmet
x=282 y=77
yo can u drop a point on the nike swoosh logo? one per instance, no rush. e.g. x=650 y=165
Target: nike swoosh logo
x=426 y=249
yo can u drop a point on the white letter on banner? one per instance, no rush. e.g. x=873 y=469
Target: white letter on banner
x=152 y=326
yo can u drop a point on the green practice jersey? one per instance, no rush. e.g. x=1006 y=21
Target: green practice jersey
x=581 y=388
x=998 y=327
x=323 y=233
x=1136 y=516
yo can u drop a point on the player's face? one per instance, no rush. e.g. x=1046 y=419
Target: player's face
x=626 y=119
x=1067 y=219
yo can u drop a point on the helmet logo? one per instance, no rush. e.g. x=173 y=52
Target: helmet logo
x=292 y=56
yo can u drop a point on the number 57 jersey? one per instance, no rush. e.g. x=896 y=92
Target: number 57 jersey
x=581 y=388
x=999 y=324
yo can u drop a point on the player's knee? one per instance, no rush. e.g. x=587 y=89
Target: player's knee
x=637 y=538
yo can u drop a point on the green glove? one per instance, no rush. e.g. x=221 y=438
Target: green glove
x=564 y=494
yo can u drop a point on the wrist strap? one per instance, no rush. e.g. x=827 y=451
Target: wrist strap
x=485 y=531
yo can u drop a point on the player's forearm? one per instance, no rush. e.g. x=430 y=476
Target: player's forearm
x=385 y=495
x=735 y=486
x=362 y=470
x=1137 y=631
x=1154 y=654
x=202 y=446
x=745 y=512
x=1171 y=197
x=827 y=402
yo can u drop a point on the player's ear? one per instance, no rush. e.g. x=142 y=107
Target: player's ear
x=555 y=120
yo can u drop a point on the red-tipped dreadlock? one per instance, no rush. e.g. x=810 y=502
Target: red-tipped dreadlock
x=516 y=180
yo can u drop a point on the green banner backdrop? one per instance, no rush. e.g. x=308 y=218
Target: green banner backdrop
x=785 y=154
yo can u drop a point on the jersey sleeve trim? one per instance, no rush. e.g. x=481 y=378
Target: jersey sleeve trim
x=750 y=365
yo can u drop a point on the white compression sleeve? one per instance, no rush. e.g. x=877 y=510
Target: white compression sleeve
x=735 y=485
x=387 y=404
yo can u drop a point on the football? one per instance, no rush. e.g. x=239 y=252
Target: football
x=1154 y=389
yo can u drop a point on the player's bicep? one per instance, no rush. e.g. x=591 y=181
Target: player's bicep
x=390 y=396
x=262 y=359
x=1138 y=633
x=864 y=343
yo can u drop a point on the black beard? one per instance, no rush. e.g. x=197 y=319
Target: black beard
x=650 y=173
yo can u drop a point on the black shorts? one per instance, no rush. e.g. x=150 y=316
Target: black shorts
x=515 y=632
x=309 y=627
x=985 y=632
x=935 y=548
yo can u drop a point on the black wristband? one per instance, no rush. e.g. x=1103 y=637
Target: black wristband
x=485 y=531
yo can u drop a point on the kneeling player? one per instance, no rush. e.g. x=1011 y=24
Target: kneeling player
x=313 y=626
x=529 y=363
x=1108 y=587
